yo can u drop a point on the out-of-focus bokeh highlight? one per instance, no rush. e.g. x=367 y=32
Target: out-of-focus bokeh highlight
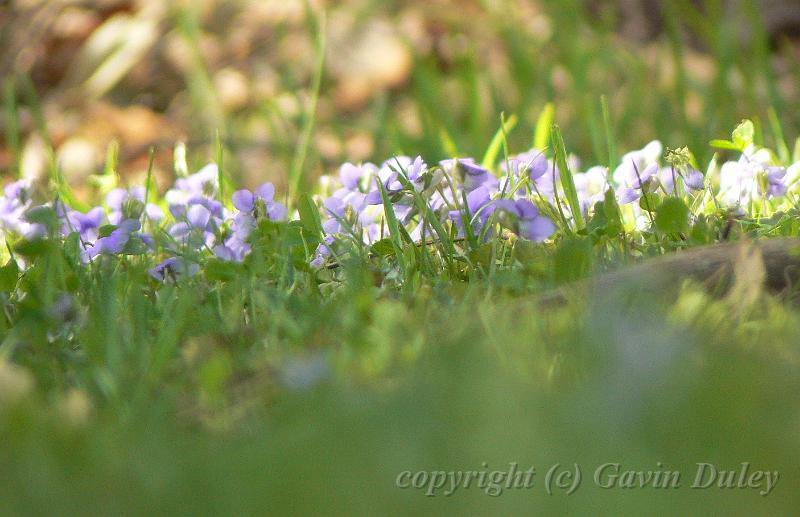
x=399 y=76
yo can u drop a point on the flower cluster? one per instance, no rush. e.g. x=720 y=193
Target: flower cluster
x=526 y=195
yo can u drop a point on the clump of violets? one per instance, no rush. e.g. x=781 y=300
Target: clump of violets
x=251 y=206
x=14 y=204
x=194 y=222
x=113 y=243
x=753 y=178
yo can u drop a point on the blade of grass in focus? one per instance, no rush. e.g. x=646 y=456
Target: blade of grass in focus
x=565 y=175
x=490 y=157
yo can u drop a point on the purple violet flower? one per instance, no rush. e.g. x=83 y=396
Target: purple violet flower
x=534 y=162
x=247 y=201
x=173 y=267
x=113 y=243
x=87 y=225
x=471 y=174
x=527 y=222
x=478 y=203
x=128 y=204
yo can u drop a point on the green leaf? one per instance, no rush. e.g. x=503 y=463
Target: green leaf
x=724 y=144
x=72 y=247
x=744 y=134
x=598 y=223
x=42 y=215
x=383 y=247
x=701 y=232
x=309 y=214
x=224 y=271
x=135 y=246
x=9 y=274
x=672 y=216
x=650 y=201
x=573 y=259
x=105 y=230
x=32 y=248
x=482 y=255
x=613 y=213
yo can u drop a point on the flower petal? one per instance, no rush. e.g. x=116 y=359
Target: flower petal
x=243 y=200
x=198 y=216
x=266 y=192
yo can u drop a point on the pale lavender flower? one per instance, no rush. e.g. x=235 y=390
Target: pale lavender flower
x=322 y=252
x=591 y=186
x=174 y=268
x=334 y=210
x=129 y=204
x=247 y=201
x=478 y=203
x=199 y=188
x=532 y=162
x=14 y=204
x=87 y=225
x=526 y=221
x=114 y=243
x=693 y=179
x=637 y=182
x=775 y=181
x=471 y=174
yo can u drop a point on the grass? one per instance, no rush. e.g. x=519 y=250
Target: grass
x=269 y=387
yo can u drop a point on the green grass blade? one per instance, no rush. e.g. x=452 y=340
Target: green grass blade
x=112 y=159
x=429 y=217
x=148 y=185
x=542 y=134
x=448 y=144
x=609 y=130
x=777 y=134
x=394 y=227
x=567 y=182
x=490 y=158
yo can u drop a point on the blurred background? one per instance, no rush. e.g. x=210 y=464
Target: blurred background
x=404 y=76
x=452 y=376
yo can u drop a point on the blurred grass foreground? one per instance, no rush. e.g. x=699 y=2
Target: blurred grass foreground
x=359 y=391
